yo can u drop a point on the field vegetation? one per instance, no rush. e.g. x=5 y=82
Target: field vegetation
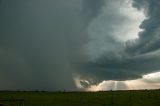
x=102 y=98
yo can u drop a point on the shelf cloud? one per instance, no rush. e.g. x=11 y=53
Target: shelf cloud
x=47 y=44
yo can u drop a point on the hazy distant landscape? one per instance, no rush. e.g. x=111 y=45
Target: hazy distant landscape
x=102 y=98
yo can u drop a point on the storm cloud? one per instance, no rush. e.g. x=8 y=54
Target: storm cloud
x=40 y=41
x=119 y=58
x=148 y=39
x=47 y=44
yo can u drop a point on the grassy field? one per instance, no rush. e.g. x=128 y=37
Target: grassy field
x=110 y=98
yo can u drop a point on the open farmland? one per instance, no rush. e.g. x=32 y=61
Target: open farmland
x=109 y=98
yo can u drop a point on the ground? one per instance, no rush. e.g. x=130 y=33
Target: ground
x=108 y=98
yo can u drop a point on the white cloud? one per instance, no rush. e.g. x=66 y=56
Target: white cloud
x=117 y=23
x=146 y=82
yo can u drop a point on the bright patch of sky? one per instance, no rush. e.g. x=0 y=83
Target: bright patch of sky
x=148 y=81
x=117 y=23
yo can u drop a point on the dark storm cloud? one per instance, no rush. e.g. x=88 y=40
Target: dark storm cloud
x=126 y=69
x=92 y=8
x=138 y=57
x=33 y=40
x=43 y=43
x=41 y=40
x=148 y=39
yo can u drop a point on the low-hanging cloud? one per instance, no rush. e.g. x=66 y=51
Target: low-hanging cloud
x=124 y=59
x=41 y=40
x=44 y=44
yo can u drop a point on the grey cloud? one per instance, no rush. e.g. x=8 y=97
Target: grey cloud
x=35 y=45
x=41 y=40
x=138 y=57
x=92 y=8
x=148 y=39
x=128 y=68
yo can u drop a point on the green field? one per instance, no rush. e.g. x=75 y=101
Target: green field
x=110 y=98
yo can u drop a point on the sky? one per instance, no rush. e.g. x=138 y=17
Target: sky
x=74 y=45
